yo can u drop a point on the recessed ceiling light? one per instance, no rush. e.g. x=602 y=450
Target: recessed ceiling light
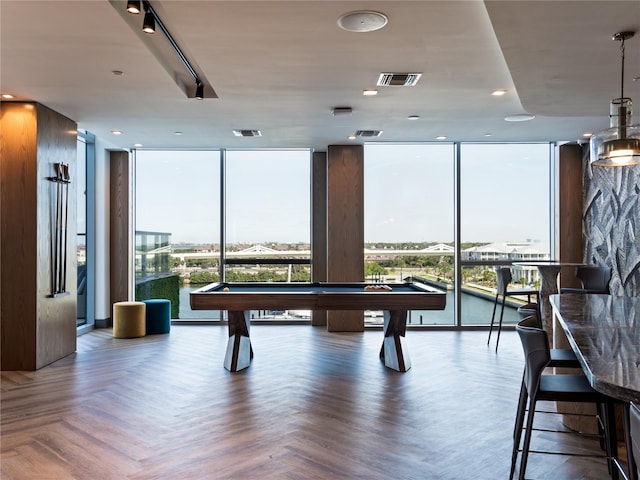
x=441 y=137
x=413 y=117
x=7 y=95
x=362 y=21
x=369 y=92
x=520 y=117
x=351 y=137
x=587 y=134
x=177 y=133
x=116 y=132
x=137 y=145
x=498 y=93
x=487 y=134
x=117 y=73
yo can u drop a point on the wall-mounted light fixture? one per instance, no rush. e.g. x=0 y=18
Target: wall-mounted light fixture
x=151 y=20
x=620 y=144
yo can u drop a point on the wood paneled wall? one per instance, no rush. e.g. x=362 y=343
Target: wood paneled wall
x=345 y=227
x=569 y=220
x=36 y=328
x=119 y=224
x=319 y=227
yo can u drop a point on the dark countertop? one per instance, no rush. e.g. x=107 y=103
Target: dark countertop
x=604 y=331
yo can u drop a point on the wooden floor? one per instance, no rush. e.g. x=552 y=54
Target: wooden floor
x=313 y=405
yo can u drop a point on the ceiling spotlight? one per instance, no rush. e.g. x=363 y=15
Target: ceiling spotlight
x=149 y=23
x=620 y=144
x=370 y=92
x=441 y=137
x=7 y=95
x=199 y=90
x=116 y=132
x=499 y=93
x=414 y=117
x=133 y=6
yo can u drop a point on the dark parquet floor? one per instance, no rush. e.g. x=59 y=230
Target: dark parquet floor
x=313 y=405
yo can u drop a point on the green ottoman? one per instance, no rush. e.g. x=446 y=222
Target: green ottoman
x=158 y=315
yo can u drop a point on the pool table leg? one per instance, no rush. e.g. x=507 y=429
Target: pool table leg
x=393 y=351
x=239 y=351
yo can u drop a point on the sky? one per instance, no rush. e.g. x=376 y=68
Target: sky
x=409 y=194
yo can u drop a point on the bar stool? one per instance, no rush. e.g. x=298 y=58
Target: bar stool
x=558 y=357
x=539 y=387
x=593 y=279
x=503 y=279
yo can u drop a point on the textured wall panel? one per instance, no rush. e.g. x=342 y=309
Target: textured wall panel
x=612 y=223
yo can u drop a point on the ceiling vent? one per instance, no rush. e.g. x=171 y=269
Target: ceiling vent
x=341 y=111
x=368 y=133
x=398 y=79
x=247 y=133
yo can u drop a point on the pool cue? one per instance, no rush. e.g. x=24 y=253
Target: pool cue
x=56 y=252
x=65 y=225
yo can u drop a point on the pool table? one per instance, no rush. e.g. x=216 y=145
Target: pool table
x=395 y=299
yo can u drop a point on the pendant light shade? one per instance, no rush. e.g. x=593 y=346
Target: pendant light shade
x=620 y=144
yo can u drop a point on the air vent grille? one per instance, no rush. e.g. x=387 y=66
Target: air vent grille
x=368 y=133
x=398 y=79
x=247 y=133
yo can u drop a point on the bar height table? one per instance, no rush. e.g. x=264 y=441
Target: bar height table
x=604 y=332
x=548 y=286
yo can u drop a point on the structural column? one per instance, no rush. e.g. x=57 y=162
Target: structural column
x=345 y=227
x=120 y=221
x=319 y=227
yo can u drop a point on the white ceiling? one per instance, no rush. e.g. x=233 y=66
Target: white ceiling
x=280 y=67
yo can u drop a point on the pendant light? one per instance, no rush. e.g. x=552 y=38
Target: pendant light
x=620 y=144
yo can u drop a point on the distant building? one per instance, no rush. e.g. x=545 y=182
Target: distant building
x=513 y=251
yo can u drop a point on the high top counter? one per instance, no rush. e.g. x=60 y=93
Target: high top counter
x=604 y=331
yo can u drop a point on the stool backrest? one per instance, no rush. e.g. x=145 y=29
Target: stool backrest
x=503 y=279
x=594 y=279
x=536 y=354
x=531 y=321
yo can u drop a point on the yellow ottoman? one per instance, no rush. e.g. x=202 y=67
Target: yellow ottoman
x=129 y=319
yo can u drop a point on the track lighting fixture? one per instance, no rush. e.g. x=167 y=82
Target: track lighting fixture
x=199 y=90
x=149 y=23
x=151 y=18
x=133 y=6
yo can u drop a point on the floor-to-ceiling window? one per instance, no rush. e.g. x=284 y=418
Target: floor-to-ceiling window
x=263 y=197
x=177 y=226
x=409 y=219
x=244 y=215
x=504 y=218
x=268 y=219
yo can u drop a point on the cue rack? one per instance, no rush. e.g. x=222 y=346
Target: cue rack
x=59 y=226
